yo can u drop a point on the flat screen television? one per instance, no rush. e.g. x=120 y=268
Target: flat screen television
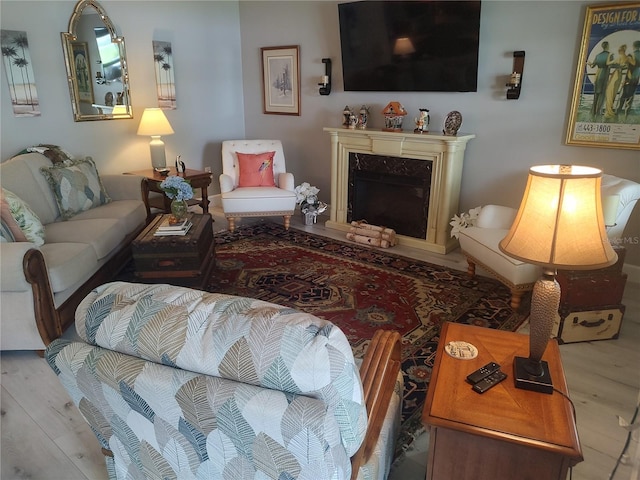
x=410 y=46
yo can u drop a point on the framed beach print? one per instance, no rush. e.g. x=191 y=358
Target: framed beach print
x=604 y=109
x=281 y=80
x=82 y=71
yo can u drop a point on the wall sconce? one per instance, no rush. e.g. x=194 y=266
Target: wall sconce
x=325 y=80
x=513 y=93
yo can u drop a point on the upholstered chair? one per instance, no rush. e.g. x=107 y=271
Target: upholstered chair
x=254 y=182
x=180 y=383
x=479 y=243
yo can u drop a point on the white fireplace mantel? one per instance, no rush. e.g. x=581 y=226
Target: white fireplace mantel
x=447 y=155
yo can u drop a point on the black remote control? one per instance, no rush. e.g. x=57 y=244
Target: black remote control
x=482 y=372
x=488 y=382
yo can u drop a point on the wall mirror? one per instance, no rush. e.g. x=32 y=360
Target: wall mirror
x=96 y=63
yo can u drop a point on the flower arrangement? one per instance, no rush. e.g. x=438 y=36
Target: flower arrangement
x=177 y=188
x=307 y=198
x=464 y=220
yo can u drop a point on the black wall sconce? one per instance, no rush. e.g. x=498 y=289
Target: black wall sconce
x=325 y=81
x=513 y=93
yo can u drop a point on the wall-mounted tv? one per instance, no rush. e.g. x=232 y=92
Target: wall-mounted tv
x=410 y=46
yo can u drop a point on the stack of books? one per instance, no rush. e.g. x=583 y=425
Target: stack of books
x=167 y=227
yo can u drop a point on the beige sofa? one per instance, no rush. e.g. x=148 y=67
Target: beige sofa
x=41 y=285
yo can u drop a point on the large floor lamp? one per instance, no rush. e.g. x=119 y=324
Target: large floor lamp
x=559 y=224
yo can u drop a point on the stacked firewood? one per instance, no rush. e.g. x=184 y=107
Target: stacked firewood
x=362 y=232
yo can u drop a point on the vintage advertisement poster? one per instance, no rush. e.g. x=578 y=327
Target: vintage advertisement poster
x=605 y=110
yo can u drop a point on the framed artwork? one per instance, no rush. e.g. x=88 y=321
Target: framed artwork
x=82 y=71
x=16 y=60
x=281 y=80
x=604 y=110
x=165 y=82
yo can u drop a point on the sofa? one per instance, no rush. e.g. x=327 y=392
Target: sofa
x=181 y=383
x=65 y=230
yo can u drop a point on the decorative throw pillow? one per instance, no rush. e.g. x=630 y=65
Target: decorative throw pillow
x=19 y=222
x=54 y=153
x=76 y=186
x=256 y=169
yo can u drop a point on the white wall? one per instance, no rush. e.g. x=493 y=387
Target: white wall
x=216 y=47
x=511 y=135
x=205 y=38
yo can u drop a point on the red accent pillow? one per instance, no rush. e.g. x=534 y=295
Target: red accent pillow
x=256 y=169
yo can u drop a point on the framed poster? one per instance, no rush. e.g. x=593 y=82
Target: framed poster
x=281 y=80
x=82 y=71
x=165 y=82
x=604 y=110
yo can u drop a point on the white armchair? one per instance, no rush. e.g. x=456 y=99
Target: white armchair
x=255 y=201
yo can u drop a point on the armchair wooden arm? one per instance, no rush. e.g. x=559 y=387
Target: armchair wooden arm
x=379 y=372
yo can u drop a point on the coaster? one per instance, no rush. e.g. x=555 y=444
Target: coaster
x=462 y=350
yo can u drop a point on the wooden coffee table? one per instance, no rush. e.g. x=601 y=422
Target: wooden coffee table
x=186 y=260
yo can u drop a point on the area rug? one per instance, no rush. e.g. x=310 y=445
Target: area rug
x=362 y=289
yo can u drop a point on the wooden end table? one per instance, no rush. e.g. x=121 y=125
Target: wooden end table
x=186 y=260
x=505 y=433
x=197 y=179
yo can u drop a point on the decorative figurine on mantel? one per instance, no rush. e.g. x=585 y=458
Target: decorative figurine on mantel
x=347 y=113
x=363 y=118
x=422 y=121
x=394 y=114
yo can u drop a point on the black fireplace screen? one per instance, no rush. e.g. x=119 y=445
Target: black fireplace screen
x=390 y=191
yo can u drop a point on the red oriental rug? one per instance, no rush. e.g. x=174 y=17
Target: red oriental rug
x=362 y=289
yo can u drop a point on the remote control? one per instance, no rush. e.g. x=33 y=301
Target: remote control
x=488 y=382
x=482 y=372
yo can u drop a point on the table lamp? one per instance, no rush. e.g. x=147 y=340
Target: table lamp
x=154 y=123
x=559 y=224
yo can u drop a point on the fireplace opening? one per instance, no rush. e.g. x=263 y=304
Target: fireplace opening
x=390 y=191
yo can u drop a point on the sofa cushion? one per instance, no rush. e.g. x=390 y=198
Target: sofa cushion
x=102 y=234
x=54 y=153
x=130 y=214
x=16 y=212
x=256 y=169
x=76 y=185
x=21 y=174
x=68 y=264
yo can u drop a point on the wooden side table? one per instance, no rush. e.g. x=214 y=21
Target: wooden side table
x=197 y=178
x=505 y=433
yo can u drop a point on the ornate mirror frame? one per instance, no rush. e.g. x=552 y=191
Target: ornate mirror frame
x=82 y=101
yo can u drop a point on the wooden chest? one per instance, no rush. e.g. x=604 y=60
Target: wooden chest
x=185 y=260
x=588 y=325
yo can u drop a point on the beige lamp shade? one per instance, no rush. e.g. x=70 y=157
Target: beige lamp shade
x=154 y=123
x=403 y=46
x=560 y=222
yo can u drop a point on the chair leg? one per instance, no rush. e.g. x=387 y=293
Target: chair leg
x=232 y=223
x=287 y=221
x=516 y=298
x=471 y=268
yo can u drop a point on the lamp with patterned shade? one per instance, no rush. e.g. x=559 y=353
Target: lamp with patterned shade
x=559 y=224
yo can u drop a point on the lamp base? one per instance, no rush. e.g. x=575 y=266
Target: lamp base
x=524 y=379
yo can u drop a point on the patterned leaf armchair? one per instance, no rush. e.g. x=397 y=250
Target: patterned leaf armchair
x=180 y=383
x=255 y=182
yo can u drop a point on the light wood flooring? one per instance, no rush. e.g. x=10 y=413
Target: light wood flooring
x=43 y=435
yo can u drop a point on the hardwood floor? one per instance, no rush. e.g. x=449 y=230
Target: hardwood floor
x=43 y=435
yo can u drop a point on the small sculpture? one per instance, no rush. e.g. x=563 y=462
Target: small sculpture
x=422 y=121
x=346 y=114
x=180 y=166
x=363 y=118
x=394 y=114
